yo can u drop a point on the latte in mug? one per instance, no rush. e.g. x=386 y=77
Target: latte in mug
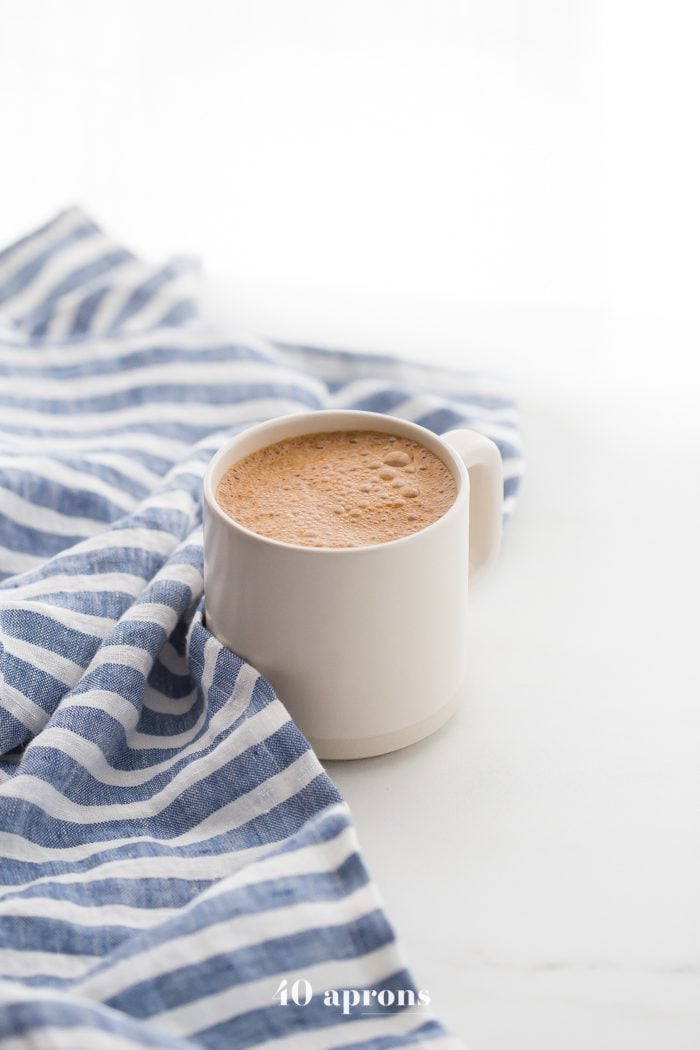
x=344 y=488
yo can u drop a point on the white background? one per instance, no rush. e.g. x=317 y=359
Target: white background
x=504 y=184
x=496 y=151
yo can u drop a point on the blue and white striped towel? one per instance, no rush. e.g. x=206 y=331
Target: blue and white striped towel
x=171 y=848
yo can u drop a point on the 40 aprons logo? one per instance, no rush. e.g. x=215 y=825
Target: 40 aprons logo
x=300 y=993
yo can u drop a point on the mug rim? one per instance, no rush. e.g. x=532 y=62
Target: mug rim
x=455 y=463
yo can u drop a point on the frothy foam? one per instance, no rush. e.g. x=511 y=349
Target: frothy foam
x=346 y=488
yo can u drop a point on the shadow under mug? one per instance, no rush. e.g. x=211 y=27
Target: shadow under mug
x=365 y=646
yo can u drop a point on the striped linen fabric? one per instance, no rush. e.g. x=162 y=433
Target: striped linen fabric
x=172 y=850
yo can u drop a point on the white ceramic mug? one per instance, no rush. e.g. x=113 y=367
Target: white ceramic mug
x=364 y=645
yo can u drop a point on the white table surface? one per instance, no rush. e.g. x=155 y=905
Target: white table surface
x=539 y=856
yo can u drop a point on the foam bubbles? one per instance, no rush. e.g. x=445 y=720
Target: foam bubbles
x=397 y=459
x=338 y=489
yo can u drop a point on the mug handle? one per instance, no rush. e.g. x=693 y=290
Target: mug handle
x=483 y=461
